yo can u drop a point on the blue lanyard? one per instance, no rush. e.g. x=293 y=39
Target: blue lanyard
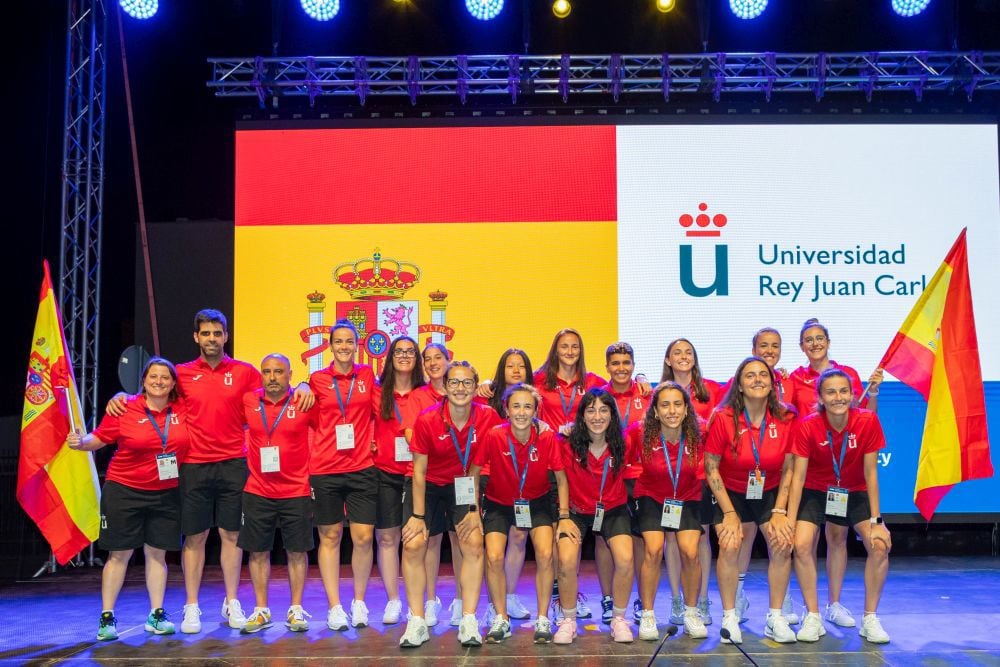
x=674 y=478
x=263 y=417
x=604 y=477
x=513 y=459
x=464 y=460
x=781 y=388
x=567 y=407
x=340 y=399
x=628 y=410
x=753 y=445
x=837 y=467
x=165 y=433
x=399 y=417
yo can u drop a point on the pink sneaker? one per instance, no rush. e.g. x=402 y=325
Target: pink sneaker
x=566 y=632
x=620 y=631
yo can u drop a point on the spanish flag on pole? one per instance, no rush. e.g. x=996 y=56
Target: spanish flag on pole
x=936 y=353
x=56 y=486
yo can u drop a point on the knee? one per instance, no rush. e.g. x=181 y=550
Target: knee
x=263 y=558
x=196 y=541
x=624 y=562
x=330 y=537
x=388 y=539
x=473 y=548
x=362 y=539
x=494 y=559
x=517 y=540
x=297 y=558
x=878 y=549
x=803 y=550
x=119 y=558
x=689 y=555
x=415 y=548
x=543 y=556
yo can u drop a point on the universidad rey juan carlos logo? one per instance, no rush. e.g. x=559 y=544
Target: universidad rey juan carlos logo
x=705 y=226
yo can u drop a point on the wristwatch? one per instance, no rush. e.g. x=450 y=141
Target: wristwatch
x=473 y=508
x=876 y=521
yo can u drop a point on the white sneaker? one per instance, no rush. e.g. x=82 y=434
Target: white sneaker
x=647 y=626
x=499 y=630
x=515 y=608
x=731 y=624
x=543 y=631
x=393 y=610
x=788 y=610
x=840 y=615
x=336 y=618
x=192 y=619
x=582 y=609
x=432 y=608
x=694 y=627
x=359 y=614
x=812 y=628
x=871 y=629
x=677 y=610
x=232 y=611
x=742 y=604
x=776 y=627
x=456 y=612
x=295 y=618
x=416 y=633
x=468 y=631
x=706 y=615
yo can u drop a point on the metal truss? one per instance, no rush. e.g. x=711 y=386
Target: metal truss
x=83 y=191
x=616 y=75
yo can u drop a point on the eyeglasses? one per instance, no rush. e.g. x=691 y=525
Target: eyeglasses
x=454 y=383
x=404 y=352
x=815 y=339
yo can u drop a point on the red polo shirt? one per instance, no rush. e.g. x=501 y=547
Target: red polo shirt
x=803 y=387
x=326 y=459
x=559 y=404
x=541 y=454
x=409 y=405
x=632 y=409
x=290 y=435
x=654 y=482
x=214 y=399
x=812 y=441
x=585 y=483
x=735 y=471
x=435 y=436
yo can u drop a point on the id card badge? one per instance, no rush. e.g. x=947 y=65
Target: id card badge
x=403 y=452
x=465 y=491
x=598 y=518
x=269 y=459
x=345 y=436
x=166 y=466
x=671 y=517
x=755 y=487
x=522 y=514
x=836 y=501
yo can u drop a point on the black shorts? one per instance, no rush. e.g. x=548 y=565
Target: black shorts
x=749 y=511
x=440 y=511
x=812 y=508
x=131 y=518
x=212 y=495
x=357 y=491
x=262 y=516
x=389 y=503
x=499 y=518
x=706 y=512
x=648 y=513
x=617 y=521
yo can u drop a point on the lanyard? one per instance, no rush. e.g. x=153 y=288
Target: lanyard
x=399 y=417
x=567 y=404
x=628 y=410
x=781 y=388
x=165 y=433
x=674 y=478
x=513 y=459
x=604 y=478
x=340 y=399
x=464 y=460
x=753 y=445
x=837 y=467
x=263 y=417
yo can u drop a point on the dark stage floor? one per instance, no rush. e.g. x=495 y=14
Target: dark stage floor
x=938 y=611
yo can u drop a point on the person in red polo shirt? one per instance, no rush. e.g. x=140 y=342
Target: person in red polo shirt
x=521 y=457
x=445 y=438
x=814 y=340
x=277 y=493
x=835 y=480
x=342 y=472
x=748 y=467
x=140 y=504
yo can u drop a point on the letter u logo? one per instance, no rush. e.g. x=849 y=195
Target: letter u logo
x=719 y=286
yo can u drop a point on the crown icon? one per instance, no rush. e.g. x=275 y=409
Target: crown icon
x=316 y=297
x=376 y=278
x=719 y=220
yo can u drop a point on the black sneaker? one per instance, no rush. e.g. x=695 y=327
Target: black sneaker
x=499 y=630
x=637 y=610
x=606 y=609
x=108 y=628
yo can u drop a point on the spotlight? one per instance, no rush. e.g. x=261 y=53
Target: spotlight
x=665 y=5
x=321 y=10
x=561 y=8
x=748 y=9
x=484 y=10
x=909 y=8
x=140 y=9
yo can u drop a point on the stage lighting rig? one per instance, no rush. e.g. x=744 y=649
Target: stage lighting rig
x=748 y=9
x=140 y=9
x=320 y=10
x=665 y=5
x=484 y=10
x=908 y=8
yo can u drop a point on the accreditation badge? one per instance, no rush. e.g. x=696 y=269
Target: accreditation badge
x=345 y=436
x=522 y=514
x=403 y=452
x=755 y=485
x=671 y=517
x=465 y=491
x=166 y=466
x=836 y=501
x=598 y=518
x=270 y=461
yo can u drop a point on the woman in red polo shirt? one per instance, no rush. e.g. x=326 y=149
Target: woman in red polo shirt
x=140 y=503
x=748 y=467
x=835 y=480
x=563 y=379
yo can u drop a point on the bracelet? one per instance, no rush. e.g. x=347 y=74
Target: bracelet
x=729 y=512
x=872 y=394
x=564 y=517
x=777 y=511
x=418 y=516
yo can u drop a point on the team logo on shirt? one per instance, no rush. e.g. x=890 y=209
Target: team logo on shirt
x=228 y=379
x=173 y=419
x=772 y=430
x=852 y=441
x=704 y=225
x=196 y=377
x=290 y=411
x=637 y=402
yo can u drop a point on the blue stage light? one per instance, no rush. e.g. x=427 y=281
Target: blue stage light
x=321 y=10
x=140 y=9
x=748 y=9
x=909 y=7
x=484 y=10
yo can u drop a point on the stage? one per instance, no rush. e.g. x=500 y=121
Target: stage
x=938 y=611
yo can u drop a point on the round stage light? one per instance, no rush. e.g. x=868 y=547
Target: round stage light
x=561 y=8
x=666 y=5
x=484 y=10
x=321 y=10
x=140 y=9
x=748 y=9
x=909 y=8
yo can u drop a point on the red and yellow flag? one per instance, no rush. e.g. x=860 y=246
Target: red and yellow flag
x=936 y=353
x=56 y=486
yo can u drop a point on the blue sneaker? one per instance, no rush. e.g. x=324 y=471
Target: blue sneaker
x=108 y=628
x=158 y=624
